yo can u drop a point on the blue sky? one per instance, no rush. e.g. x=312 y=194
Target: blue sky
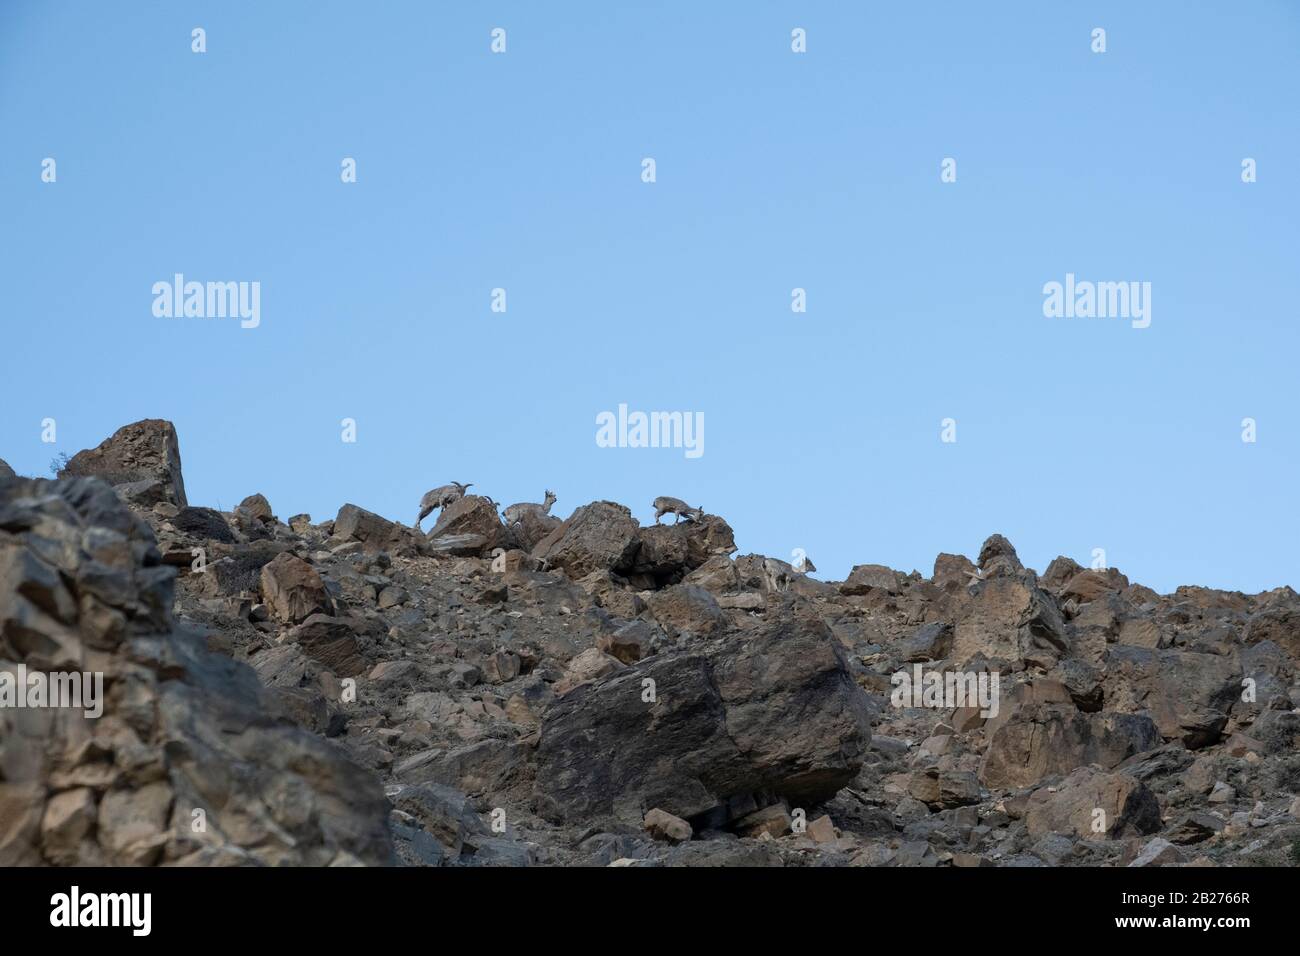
x=775 y=170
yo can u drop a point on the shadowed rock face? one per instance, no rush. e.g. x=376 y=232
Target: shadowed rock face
x=591 y=691
x=184 y=733
x=778 y=714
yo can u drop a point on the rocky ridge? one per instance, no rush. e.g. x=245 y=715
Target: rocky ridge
x=589 y=691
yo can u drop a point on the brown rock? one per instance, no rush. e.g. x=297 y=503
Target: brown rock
x=601 y=536
x=69 y=818
x=331 y=642
x=629 y=643
x=1044 y=739
x=145 y=452
x=662 y=825
x=375 y=532
x=472 y=521
x=774 y=821
x=867 y=577
x=687 y=608
x=822 y=830
x=1091 y=804
x=293 y=590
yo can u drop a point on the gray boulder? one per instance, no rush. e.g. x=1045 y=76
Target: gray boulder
x=778 y=714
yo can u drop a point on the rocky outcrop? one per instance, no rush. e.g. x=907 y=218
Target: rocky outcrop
x=594 y=692
x=1044 y=739
x=1090 y=804
x=468 y=526
x=369 y=529
x=186 y=763
x=602 y=536
x=292 y=589
x=143 y=460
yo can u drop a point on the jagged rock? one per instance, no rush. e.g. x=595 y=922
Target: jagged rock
x=998 y=558
x=1159 y=852
x=371 y=530
x=1092 y=804
x=664 y=826
x=929 y=642
x=331 y=642
x=445 y=814
x=235 y=570
x=942 y=790
x=501 y=667
x=684 y=608
x=1012 y=621
x=588 y=666
x=1196 y=827
x=612 y=595
x=6 y=471
x=953 y=571
x=1188 y=695
x=601 y=536
x=293 y=590
x=256 y=508
x=668 y=553
x=183 y=729
x=631 y=642
x=1039 y=740
x=1090 y=585
x=1279 y=623
x=1061 y=570
x=530 y=529
x=866 y=577
x=469 y=525
x=779 y=714
x=145 y=455
x=770 y=821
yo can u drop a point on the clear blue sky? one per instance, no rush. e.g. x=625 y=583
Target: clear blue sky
x=775 y=170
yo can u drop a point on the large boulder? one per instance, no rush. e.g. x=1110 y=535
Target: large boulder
x=1188 y=695
x=865 y=578
x=1279 y=622
x=185 y=735
x=142 y=459
x=373 y=531
x=601 y=536
x=687 y=609
x=293 y=590
x=468 y=526
x=1041 y=740
x=998 y=558
x=6 y=471
x=1010 y=620
x=669 y=552
x=530 y=529
x=331 y=642
x=1091 y=804
x=778 y=715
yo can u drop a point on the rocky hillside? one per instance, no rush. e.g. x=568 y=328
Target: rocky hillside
x=594 y=692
